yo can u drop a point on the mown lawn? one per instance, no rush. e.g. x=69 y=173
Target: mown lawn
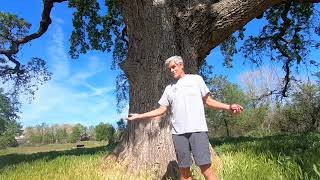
x=276 y=157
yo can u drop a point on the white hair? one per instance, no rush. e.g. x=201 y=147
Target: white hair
x=175 y=59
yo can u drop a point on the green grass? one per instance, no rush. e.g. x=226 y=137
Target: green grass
x=68 y=164
x=49 y=147
x=274 y=157
x=284 y=157
x=61 y=167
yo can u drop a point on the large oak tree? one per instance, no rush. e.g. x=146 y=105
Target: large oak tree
x=143 y=33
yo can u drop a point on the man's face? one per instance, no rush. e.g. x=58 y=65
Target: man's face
x=176 y=70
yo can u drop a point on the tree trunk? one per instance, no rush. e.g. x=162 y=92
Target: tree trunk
x=227 y=128
x=156 y=31
x=152 y=39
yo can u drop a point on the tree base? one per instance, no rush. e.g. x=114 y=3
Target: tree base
x=114 y=167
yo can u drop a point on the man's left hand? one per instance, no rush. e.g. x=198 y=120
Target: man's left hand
x=236 y=108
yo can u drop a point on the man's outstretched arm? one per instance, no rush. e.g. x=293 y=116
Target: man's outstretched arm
x=233 y=108
x=157 y=112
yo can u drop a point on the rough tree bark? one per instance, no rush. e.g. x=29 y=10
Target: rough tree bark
x=158 y=29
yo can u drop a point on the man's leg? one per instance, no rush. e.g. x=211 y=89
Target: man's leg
x=182 y=147
x=208 y=173
x=200 y=148
x=185 y=173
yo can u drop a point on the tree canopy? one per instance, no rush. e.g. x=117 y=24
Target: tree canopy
x=287 y=37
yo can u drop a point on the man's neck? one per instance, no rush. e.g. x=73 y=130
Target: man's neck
x=182 y=75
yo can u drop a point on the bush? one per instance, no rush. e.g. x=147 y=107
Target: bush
x=302 y=113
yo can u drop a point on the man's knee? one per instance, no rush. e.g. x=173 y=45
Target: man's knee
x=208 y=172
x=185 y=172
x=206 y=168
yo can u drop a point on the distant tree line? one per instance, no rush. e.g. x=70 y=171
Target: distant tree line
x=66 y=133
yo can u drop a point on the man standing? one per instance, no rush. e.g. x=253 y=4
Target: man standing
x=185 y=97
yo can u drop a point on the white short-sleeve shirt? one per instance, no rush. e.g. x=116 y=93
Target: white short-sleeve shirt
x=184 y=96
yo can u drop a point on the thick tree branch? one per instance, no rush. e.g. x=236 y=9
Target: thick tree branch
x=230 y=20
x=44 y=24
x=210 y=22
x=279 y=37
x=267 y=94
x=286 y=68
x=286 y=20
x=17 y=67
x=285 y=25
x=286 y=78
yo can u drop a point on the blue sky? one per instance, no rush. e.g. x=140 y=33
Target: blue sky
x=82 y=90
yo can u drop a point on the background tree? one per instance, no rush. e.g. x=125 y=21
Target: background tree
x=287 y=39
x=77 y=131
x=9 y=127
x=105 y=132
x=122 y=125
x=7 y=138
x=260 y=84
x=61 y=135
x=45 y=134
x=301 y=114
x=30 y=134
x=41 y=134
x=121 y=129
x=224 y=91
x=49 y=135
x=151 y=31
x=22 y=78
x=91 y=132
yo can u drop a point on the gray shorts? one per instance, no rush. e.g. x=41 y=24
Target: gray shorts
x=196 y=143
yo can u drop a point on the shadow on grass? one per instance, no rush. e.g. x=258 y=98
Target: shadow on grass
x=244 y=139
x=14 y=159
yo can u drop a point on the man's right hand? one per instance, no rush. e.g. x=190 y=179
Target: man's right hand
x=133 y=116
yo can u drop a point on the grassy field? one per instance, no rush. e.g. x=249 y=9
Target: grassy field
x=49 y=147
x=275 y=157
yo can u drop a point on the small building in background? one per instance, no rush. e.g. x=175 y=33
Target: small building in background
x=84 y=137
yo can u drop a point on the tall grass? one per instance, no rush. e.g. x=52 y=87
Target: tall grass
x=284 y=157
x=68 y=164
x=274 y=157
x=63 y=167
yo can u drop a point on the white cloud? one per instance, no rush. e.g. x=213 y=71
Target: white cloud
x=71 y=96
x=58 y=20
x=55 y=103
x=61 y=65
x=95 y=66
